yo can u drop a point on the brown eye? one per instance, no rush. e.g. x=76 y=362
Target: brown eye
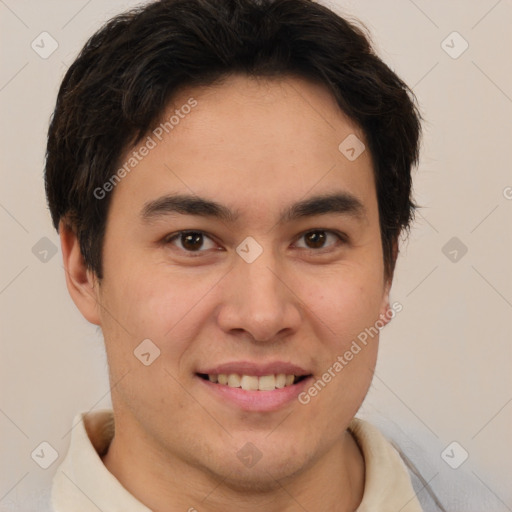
x=191 y=241
x=319 y=239
x=315 y=239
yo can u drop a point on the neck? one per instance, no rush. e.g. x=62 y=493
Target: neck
x=162 y=482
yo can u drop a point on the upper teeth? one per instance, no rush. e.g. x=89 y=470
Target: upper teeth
x=252 y=383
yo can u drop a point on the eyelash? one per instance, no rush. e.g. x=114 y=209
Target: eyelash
x=342 y=239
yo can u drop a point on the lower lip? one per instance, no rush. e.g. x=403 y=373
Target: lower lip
x=257 y=401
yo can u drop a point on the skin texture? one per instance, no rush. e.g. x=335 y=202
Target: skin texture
x=256 y=147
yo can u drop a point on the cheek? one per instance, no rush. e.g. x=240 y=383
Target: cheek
x=347 y=312
x=345 y=304
x=165 y=307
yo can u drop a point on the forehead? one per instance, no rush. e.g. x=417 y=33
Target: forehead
x=250 y=142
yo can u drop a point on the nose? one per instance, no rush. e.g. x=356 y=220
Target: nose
x=259 y=301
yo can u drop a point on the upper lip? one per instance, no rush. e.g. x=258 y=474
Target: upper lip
x=256 y=369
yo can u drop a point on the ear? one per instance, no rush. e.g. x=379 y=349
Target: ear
x=82 y=282
x=384 y=313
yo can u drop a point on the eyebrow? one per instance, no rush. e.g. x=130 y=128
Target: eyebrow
x=340 y=203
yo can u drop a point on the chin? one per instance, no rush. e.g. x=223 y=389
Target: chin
x=264 y=473
x=264 y=479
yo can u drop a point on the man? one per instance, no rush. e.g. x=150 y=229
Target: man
x=229 y=179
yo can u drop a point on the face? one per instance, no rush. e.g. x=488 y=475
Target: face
x=246 y=246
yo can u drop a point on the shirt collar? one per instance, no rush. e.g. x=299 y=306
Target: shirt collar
x=82 y=481
x=387 y=485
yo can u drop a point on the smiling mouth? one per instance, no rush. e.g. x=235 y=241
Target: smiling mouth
x=253 y=382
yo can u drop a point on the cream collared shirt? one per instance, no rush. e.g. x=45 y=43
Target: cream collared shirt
x=83 y=484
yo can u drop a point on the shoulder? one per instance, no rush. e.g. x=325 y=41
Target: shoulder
x=438 y=486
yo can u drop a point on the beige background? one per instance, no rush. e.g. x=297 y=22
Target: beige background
x=445 y=363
